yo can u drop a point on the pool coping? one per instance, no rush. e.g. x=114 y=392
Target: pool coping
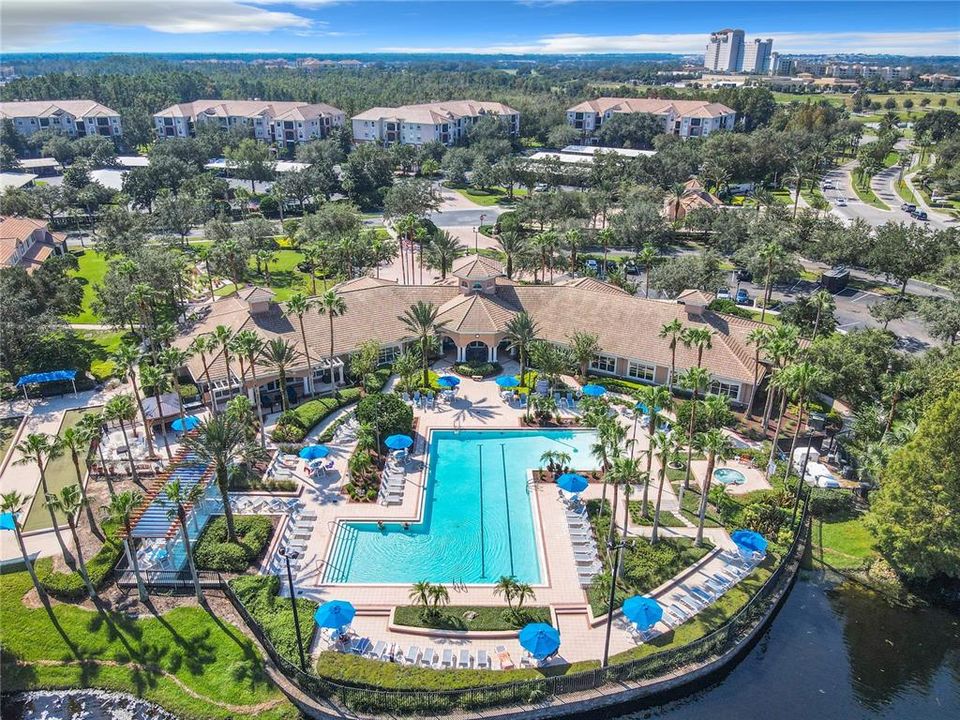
x=421 y=502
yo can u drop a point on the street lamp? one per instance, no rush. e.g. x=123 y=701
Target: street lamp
x=287 y=555
x=613 y=589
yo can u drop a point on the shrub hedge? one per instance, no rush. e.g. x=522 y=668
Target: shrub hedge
x=260 y=595
x=69 y=586
x=293 y=425
x=485 y=369
x=213 y=552
x=391 y=414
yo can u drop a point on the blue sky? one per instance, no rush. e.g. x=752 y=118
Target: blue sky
x=523 y=26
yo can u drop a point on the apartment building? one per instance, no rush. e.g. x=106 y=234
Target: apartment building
x=75 y=118
x=686 y=118
x=280 y=123
x=26 y=243
x=756 y=56
x=444 y=122
x=724 y=51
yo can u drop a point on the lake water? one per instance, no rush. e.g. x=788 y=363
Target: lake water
x=837 y=652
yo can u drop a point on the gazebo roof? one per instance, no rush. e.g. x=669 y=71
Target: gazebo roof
x=476 y=267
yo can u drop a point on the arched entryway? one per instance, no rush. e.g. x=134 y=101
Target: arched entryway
x=476 y=351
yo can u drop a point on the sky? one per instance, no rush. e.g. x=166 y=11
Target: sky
x=492 y=26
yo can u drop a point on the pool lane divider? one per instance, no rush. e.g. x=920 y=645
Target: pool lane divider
x=506 y=497
x=483 y=564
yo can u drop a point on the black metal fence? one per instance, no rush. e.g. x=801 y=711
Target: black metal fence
x=411 y=702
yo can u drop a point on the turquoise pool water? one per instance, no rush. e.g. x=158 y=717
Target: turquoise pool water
x=478 y=519
x=729 y=476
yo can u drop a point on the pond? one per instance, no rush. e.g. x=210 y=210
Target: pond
x=837 y=651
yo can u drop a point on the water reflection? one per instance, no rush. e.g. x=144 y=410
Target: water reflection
x=837 y=652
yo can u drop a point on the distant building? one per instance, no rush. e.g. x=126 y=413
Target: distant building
x=26 y=243
x=694 y=197
x=686 y=118
x=280 y=123
x=941 y=80
x=756 y=56
x=724 y=51
x=444 y=122
x=74 y=118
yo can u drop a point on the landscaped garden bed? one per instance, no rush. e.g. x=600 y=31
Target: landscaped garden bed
x=293 y=425
x=259 y=594
x=471 y=617
x=213 y=552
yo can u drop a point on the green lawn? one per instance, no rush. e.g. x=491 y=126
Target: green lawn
x=866 y=195
x=667 y=519
x=905 y=193
x=8 y=428
x=150 y=657
x=104 y=344
x=842 y=543
x=60 y=473
x=891 y=159
x=91 y=271
x=493 y=196
x=469 y=617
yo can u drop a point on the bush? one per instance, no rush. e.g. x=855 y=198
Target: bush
x=627 y=387
x=293 y=425
x=729 y=307
x=189 y=392
x=290 y=417
x=288 y=434
x=388 y=411
x=485 y=369
x=826 y=503
x=259 y=594
x=213 y=552
x=69 y=586
x=374 y=382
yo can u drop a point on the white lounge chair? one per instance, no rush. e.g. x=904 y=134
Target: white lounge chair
x=465 y=659
x=378 y=650
x=527 y=660
x=359 y=645
x=429 y=657
x=411 y=656
x=446 y=660
x=483 y=662
x=706 y=595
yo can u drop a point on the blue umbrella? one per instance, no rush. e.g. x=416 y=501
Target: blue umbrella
x=314 y=452
x=750 y=540
x=507 y=381
x=540 y=640
x=573 y=483
x=644 y=409
x=334 y=614
x=6 y=521
x=644 y=612
x=592 y=390
x=398 y=442
x=448 y=381
x=188 y=422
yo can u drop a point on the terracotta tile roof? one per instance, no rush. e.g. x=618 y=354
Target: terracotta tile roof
x=654 y=106
x=256 y=294
x=47 y=108
x=476 y=267
x=15 y=230
x=695 y=297
x=589 y=283
x=437 y=112
x=249 y=108
x=477 y=313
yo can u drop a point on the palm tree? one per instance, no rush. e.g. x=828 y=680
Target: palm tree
x=421 y=320
x=40 y=448
x=181 y=497
x=420 y=594
x=521 y=331
x=127 y=357
x=155 y=377
x=700 y=338
x=331 y=304
x=800 y=381
x=647 y=257
x=758 y=337
x=511 y=243
x=201 y=345
x=821 y=300
x=521 y=593
x=120 y=511
x=696 y=380
x=573 y=238
x=14 y=503
x=625 y=471
x=717 y=446
x=69 y=501
x=656 y=398
x=442 y=250
x=299 y=304
x=584 y=347
x=76 y=440
x=673 y=330
x=798 y=173
x=555 y=460
x=782 y=347
x=506 y=587
x=92 y=424
x=222 y=336
x=173 y=359
x=279 y=354
x=122 y=409
x=770 y=253
x=627 y=492
x=439 y=595
x=249 y=345
x=665 y=447
x=715 y=410
x=605 y=239
x=222 y=441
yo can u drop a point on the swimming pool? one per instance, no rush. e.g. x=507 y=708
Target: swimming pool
x=729 y=476
x=478 y=518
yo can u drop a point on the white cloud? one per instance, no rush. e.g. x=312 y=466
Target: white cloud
x=935 y=42
x=35 y=24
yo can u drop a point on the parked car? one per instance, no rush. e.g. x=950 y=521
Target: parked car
x=631 y=268
x=827 y=185
x=744 y=275
x=908 y=208
x=723 y=294
x=742 y=297
x=920 y=215
x=591 y=264
x=541 y=187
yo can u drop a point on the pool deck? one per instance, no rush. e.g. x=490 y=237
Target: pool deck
x=478 y=406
